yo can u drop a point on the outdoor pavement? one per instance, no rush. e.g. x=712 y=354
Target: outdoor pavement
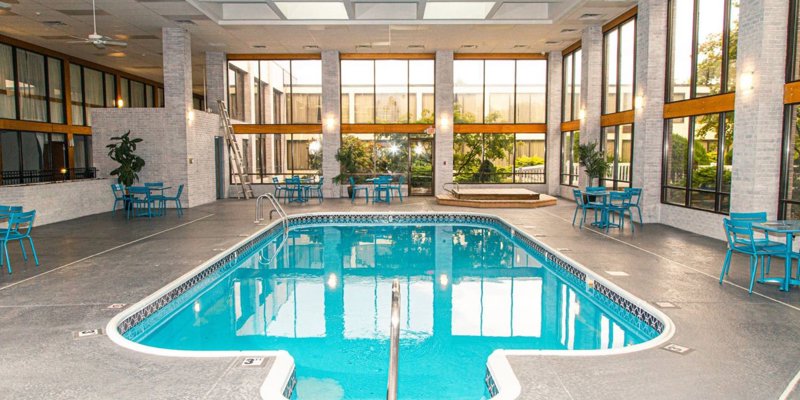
x=742 y=346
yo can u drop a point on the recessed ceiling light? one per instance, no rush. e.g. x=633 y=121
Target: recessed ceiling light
x=520 y=46
x=117 y=54
x=590 y=16
x=552 y=42
x=416 y=46
x=469 y=46
x=259 y=46
x=311 y=10
x=457 y=10
x=310 y=47
x=54 y=23
x=363 y=46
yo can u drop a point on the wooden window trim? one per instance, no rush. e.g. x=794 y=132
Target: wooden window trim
x=261 y=57
x=500 y=128
x=277 y=129
x=500 y=56
x=700 y=106
x=387 y=56
x=621 y=19
x=620 y=118
x=571 y=48
x=791 y=93
x=573 y=125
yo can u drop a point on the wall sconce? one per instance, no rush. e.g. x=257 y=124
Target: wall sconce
x=190 y=115
x=746 y=81
x=638 y=102
x=333 y=281
x=120 y=103
x=444 y=122
x=330 y=123
x=582 y=114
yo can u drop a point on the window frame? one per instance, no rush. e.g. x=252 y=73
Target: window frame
x=574 y=115
x=570 y=161
x=615 y=179
x=513 y=173
x=604 y=85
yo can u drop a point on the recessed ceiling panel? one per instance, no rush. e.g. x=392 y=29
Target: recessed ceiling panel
x=382 y=11
x=522 y=11
x=310 y=10
x=250 y=11
x=457 y=10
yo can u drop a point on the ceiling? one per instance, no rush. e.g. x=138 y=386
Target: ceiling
x=290 y=26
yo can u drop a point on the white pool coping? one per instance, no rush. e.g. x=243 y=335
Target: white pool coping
x=283 y=366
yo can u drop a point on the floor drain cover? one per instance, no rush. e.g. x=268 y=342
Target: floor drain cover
x=564 y=249
x=252 y=362
x=116 y=306
x=87 y=333
x=666 y=304
x=617 y=273
x=539 y=235
x=682 y=350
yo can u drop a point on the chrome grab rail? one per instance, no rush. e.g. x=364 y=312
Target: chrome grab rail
x=276 y=207
x=451 y=190
x=394 y=340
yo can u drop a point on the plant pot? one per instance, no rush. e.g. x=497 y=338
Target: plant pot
x=349 y=192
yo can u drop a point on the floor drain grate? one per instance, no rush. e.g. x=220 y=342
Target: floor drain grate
x=539 y=235
x=254 y=362
x=617 y=273
x=678 y=349
x=116 y=306
x=562 y=249
x=666 y=304
x=87 y=333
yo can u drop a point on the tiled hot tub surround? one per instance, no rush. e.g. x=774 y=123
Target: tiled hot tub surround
x=136 y=323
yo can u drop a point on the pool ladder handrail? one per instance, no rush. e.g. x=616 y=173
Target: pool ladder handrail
x=276 y=207
x=394 y=342
x=451 y=183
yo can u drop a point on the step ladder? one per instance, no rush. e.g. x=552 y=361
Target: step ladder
x=235 y=152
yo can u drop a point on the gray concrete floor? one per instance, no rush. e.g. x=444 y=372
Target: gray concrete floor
x=743 y=346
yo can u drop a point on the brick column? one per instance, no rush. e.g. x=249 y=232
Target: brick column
x=648 y=135
x=591 y=89
x=177 y=50
x=215 y=79
x=443 y=140
x=554 y=86
x=758 y=124
x=331 y=121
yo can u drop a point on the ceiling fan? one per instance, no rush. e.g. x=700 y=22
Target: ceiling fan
x=96 y=39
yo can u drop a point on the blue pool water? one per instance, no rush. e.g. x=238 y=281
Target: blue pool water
x=325 y=297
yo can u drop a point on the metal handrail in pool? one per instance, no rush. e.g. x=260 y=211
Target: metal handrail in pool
x=276 y=207
x=453 y=192
x=394 y=338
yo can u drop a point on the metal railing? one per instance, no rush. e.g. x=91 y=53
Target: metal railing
x=46 y=175
x=450 y=189
x=276 y=207
x=394 y=342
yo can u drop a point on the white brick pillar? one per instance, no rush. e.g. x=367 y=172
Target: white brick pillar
x=553 y=162
x=591 y=89
x=648 y=134
x=331 y=121
x=172 y=164
x=758 y=123
x=443 y=139
x=215 y=79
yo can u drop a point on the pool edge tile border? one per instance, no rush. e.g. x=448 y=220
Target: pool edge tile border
x=281 y=379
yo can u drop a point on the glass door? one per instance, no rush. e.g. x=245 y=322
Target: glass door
x=421 y=159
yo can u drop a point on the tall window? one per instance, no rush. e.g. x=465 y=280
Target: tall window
x=29 y=157
x=268 y=156
x=31 y=87
x=698 y=158
x=387 y=91
x=500 y=91
x=499 y=157
x=8 y=86
x=618 y=142
x=90 y=88
x=619 y=47
x=275 y=91
x=570 y=168
x=702 y=55
x=571 y=92
x=789 y=207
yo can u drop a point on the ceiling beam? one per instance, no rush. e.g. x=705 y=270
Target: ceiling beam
x=421 y=4
x=494 y=9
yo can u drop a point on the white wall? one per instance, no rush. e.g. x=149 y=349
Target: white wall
x=61 y=201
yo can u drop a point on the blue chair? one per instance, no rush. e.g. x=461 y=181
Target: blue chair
x=140 y=198
x=162 y=201
x=617 y=204
x=398 y=187
x=278 y=187
x=5 y=214
x=315 y=190
x=636 y=195
x=582 y=205
x=742 y=239
x=294 y=189
x=119 y=196
x=19 y=228
x=381 y=186
x=356 y=189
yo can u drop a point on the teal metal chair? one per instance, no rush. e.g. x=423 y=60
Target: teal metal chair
x=315 y=190
x=278 y=187
x=5 y=214
x=356 y=189
x=119 y=196
x=140 y=199
x=617 y=204
x=636 y=195
x=380 y=191
x=162 y=201
x=398 y=187
x=294 y=190
x=742 y=239
x=19 y=228
x=583 y=206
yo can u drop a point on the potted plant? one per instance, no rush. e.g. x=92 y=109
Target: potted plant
x=130 y=164
x=594 y=161
x=353 y=157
